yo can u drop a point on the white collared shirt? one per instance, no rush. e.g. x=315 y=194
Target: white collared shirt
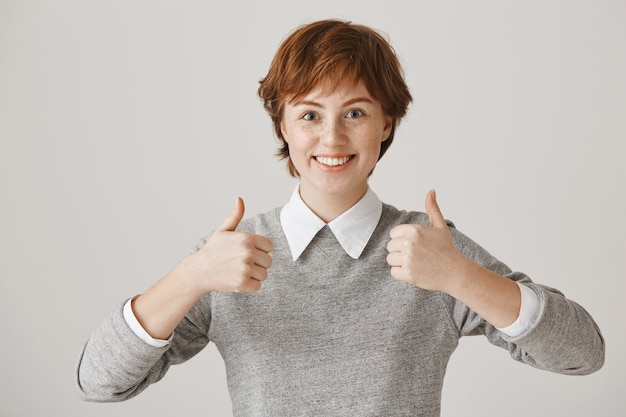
x=352 y=229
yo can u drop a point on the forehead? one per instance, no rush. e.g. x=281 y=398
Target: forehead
x=343 y=90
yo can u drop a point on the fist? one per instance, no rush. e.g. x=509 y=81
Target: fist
x=232 y=261
x=424 y=256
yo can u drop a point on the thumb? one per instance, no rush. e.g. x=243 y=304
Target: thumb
x=433 y=211
x=235 y=216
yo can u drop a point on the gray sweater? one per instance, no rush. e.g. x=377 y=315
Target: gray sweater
x=328 y=335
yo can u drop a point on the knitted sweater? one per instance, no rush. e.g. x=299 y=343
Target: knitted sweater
x=329 y=335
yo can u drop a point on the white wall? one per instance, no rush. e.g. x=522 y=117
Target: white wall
x=128 y=128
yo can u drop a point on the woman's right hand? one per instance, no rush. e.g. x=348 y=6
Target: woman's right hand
x=230 y=261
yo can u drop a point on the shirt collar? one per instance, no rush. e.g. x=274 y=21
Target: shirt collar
x=352 y=229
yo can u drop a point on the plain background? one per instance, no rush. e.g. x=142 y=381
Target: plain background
x=128 y=129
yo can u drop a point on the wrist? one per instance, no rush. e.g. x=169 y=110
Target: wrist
x=495 y=298
x=459 y=276
x=188 y=279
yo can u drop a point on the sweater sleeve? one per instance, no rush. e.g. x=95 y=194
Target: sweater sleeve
x=564 y=338
x=115 y=364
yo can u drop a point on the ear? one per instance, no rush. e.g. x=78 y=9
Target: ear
x=283 y=130
x=387 y=128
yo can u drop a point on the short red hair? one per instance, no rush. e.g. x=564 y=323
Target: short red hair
x=327 y=53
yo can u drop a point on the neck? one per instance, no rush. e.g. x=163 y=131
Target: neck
x=330 y=206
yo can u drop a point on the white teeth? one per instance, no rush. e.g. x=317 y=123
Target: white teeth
x=333 y=162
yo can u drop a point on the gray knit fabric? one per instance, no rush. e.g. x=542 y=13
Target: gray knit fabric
x=328 y=335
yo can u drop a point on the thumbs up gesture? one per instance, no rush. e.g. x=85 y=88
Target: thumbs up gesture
x=232 y=261
x=424 y=256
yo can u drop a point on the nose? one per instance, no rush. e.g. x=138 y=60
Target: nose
x=334 y=133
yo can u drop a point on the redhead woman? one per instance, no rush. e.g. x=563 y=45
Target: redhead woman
x=335 y=304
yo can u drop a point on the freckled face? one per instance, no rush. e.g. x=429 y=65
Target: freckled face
x=334 y=140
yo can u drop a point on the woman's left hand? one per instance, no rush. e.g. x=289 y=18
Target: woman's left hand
x=425 y=256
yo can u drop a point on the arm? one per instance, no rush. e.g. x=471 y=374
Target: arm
x=426 y=257
x=228 y=262
x=564 y=337
x=116 y=364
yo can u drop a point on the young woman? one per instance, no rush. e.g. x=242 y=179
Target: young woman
x=335 y=303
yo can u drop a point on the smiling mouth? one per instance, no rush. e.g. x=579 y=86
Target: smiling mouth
x=333 y=162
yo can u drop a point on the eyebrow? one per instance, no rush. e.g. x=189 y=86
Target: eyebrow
x=347 y=103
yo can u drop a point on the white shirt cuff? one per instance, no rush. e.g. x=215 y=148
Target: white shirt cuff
x=136 y=327
x=527 y=315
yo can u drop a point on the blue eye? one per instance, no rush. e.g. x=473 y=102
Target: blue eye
x=310 y=116
x=353 y=114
